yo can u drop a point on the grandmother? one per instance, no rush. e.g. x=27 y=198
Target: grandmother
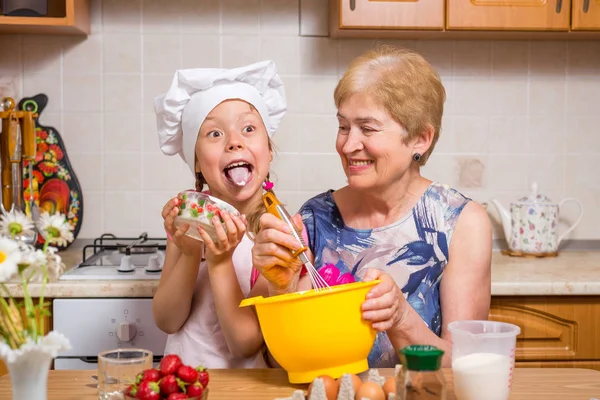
x=428 y=244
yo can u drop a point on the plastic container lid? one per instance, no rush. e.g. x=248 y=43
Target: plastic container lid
x=421 y=357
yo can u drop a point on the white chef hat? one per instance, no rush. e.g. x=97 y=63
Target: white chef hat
x=195 y=92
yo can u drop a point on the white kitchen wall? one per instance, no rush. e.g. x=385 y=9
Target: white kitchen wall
x=517 y=111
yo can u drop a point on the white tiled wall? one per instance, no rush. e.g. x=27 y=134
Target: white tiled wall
x=517 y=112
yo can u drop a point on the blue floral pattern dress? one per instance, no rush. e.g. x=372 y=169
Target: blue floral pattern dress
x=413 y=250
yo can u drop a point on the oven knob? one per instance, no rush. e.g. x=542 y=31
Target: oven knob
x=126 y=264
x=125 y=331
x=153 y=264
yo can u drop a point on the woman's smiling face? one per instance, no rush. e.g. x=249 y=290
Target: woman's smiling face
x=233 y=152
x=370 y=144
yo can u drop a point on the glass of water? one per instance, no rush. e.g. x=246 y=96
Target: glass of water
x=117 y=370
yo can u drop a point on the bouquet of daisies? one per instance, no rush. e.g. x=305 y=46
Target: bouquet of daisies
x=22 y=321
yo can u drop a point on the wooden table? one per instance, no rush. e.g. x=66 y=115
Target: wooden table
x=268 y=384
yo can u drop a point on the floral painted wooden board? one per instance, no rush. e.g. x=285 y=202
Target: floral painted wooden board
x=55 y=185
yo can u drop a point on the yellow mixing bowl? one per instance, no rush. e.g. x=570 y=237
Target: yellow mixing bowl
x=316 y=333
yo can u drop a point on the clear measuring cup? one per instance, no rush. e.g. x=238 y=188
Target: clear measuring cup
x=117 y=369
x=483 y=359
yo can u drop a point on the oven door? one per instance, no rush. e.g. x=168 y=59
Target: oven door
x=99 y=324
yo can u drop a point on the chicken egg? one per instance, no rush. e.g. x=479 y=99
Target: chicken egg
x=371 y=391
x=389 y=387
x=331 y=387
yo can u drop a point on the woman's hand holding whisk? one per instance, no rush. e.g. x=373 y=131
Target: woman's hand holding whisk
x=272 y=253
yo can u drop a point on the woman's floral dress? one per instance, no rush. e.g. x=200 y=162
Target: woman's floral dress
x=413 y=250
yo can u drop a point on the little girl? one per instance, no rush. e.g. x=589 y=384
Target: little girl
x=220 y=122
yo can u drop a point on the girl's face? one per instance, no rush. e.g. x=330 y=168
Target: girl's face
x=233 y=152
x=371 y=144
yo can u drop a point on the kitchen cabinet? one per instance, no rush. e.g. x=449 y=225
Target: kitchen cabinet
x=556 y=331
x=64 y=17
x=465 y=19
x=388 y=15
x=47 y=327
x=526 y=15
x=586 y=15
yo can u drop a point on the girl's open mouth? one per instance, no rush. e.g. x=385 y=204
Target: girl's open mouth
x=238 y=173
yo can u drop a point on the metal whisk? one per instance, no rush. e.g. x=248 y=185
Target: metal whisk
x=274 y=207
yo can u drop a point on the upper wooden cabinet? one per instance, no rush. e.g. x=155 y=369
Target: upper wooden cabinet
x=525 y=15
x=64 y=17
x=463 y=19
x=586 y=15
x=389 y=14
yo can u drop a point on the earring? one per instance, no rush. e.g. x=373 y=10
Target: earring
x=268 y=185
x=416 y=157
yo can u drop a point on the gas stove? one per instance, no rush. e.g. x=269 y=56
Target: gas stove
x=120 y=258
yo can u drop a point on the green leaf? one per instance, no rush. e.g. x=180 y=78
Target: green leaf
x=201 y=202
x=194 y=212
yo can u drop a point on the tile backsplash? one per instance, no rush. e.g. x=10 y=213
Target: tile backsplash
x=517 y=111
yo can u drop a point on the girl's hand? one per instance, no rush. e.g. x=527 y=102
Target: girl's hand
x=272 y=252
x=385 y=306
x=185 y=244
x=226 y=241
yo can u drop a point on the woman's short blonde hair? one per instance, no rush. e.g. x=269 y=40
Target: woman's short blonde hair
x=404 y=83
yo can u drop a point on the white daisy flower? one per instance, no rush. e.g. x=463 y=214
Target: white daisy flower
x=32 y=264
x=55 y=229
x=16 y=223
x=52 y=250
x=9 y=258
x=30 y=257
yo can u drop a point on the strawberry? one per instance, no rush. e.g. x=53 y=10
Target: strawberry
x=169 y=364
x=148 y=391
x=202 y=375
x=151 y=375
x=171 y=384
x=131 y=390
x=177 y=396
x=195 y=390
x=187 y=374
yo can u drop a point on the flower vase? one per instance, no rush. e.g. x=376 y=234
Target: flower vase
x=28 y=365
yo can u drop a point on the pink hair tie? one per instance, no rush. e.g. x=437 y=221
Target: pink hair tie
x=168 y=235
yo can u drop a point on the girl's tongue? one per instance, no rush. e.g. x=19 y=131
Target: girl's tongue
x=239 y=175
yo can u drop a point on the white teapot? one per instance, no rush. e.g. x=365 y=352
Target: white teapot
x=531 y=225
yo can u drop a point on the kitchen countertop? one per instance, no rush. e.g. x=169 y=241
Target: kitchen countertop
x=85 y=288
x=269 y=384
x=571 y=273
